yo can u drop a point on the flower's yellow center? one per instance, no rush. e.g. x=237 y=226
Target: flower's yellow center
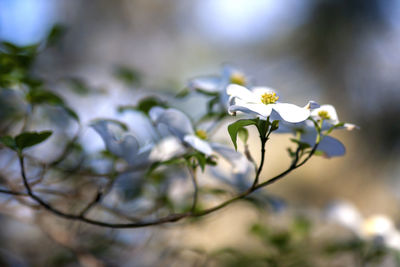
x=238 y=78
x=323 y=114
x=201 y=134
x=269 y=98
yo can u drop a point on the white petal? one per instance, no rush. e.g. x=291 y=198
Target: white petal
x=378 y=226
x=242 y=93
x=198 y=144
x=208 y=84
x=129 y=148
x=393 y=240
x=329 y=145
x=176 y=121
x=238 y=161
x=155 y=113
x=286 y=127
x=258 y=109
x=167 y=148
x=345 y=214
x=109 y=137
x=291 y=113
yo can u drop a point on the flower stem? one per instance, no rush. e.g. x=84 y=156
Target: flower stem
x=171 y=217
x=263 y=142
x=195 y=188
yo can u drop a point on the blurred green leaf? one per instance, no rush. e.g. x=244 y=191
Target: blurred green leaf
x=127 y=75
x=43 y=96
x=145 y=104
x=10 y=47
x=15 y=63
x=200 y=158
x=40 y=96
x=71 y=112
x=9 y=142
x=207 y=93
x=259 y=230
x=183 y=93
x=301 y=225
x=78 y=85
x=55 y=34
x=28 y=139
x=301 y=144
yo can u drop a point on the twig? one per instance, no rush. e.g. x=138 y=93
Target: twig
x=195 y=188
x=172 y=217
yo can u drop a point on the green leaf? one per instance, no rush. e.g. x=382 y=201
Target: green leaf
x=78 y=85
x=243 y=134
x=28 y=139
x=71 y=113
x=39 y=96
x=236 y=126
x=274 y=125
x=207 y=93
x=183 y=93
x=319 y=153
x=302 y=145
x=127 y=75
x=10 y=47
x=145 y=104
x=262 y=127
x=55 y=34
x=9 y=142
x=201 y=160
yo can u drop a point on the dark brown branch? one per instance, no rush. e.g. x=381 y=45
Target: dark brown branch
x=15 y=193
x=91 y=204
x=169 y=218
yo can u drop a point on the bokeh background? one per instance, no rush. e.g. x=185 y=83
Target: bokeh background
x=342 y=52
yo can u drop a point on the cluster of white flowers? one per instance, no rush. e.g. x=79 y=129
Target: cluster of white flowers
x=178 y=136
x=376 y=228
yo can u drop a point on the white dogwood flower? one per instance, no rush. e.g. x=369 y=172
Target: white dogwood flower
x=174 y=122
x=123 y=145
x=330 y=146
x=378 y=228
x=262 y=102
x=328 y=114
x=218 y=84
